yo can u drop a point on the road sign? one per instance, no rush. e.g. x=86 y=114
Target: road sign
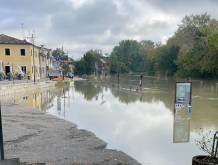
x=183 y=109
x=183 y=96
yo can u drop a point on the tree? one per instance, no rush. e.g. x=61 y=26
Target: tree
x=65 y=68
x=59 y=54
x=130 y=56
x=87 y=64
x=188 y=31
x=201 y=60
x=63 y=60
x=191 y=52
x=210 y=59
x=165 y=59
x=79 y=67
x=90 y=58
x=196 y=37
x=147 y=47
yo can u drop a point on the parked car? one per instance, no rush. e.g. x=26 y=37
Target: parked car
x=54 y=74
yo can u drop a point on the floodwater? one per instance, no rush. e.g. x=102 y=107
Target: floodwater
x=140 y=123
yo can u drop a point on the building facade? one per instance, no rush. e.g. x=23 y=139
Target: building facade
x=21 y=58
x=55 y=70
x=45 y=59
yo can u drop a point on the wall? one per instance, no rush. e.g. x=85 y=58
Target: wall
x=15 y=60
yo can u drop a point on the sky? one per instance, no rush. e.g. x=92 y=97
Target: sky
x=81 y=25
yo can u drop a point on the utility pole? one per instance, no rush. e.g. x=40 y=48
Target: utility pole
x=34 y=69
x=32 y=38
x=62 y=52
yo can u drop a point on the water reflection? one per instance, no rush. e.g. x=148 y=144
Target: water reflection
x=88 y=89
x=142 y=124
x=181 y=127
x=40 y=99
x=127 y=93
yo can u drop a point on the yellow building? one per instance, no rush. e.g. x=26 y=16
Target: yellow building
x=17 y=57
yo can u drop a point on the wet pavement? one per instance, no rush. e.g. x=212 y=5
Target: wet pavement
x=34 y=137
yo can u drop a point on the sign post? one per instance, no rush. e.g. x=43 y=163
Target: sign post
x=183 y=96
x=182 y=111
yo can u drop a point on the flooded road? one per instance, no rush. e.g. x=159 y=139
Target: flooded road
x=141 y=124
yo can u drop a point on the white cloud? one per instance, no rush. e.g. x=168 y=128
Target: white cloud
x=84 y=24
x=80 y=3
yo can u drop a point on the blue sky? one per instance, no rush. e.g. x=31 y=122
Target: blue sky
x=80 y=25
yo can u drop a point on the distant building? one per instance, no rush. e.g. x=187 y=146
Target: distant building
x=102 y=67
x=55 y=70
x=45 y=59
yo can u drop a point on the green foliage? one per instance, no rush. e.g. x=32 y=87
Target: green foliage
x=89 y=61
x=86 y=65
x=202 y=59
x=165 y=59
x=130 y=56
x=191 y=52
x=80 y=67
x=188 y=31
x=59 y=54
x=193 y=49
x=65 y=67
x=64 y=60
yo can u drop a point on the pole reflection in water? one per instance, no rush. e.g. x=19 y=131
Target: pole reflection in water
x=181 y=127
x=59 y=105
x=64 y=102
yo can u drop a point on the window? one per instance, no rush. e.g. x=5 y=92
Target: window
x=22 y=52
x=7 y=52
x=23 y=68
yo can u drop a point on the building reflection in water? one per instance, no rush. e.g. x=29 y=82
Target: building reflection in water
x=40 y=99
x=181 y=127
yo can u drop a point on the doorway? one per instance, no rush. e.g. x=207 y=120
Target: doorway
x=7 y=69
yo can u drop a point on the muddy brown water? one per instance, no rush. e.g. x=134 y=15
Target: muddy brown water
x=140 y=123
